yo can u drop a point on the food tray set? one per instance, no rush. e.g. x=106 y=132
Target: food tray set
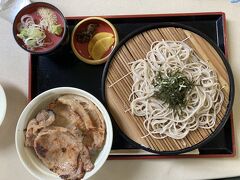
x=64 y=69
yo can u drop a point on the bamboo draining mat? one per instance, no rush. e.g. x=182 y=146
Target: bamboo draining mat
x=117 y=95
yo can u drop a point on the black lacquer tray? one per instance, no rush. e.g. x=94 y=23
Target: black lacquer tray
x=64 y=69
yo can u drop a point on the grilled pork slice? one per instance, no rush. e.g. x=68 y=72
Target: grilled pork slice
x=66 y=117
x=72 y=101
x=77 y=111
x=43 y=119
x=62 y=151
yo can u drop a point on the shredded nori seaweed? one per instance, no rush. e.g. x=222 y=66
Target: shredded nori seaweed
x=173 y=89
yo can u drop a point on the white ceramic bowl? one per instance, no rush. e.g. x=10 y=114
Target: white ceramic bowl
x=3 y=104
x=28 y=156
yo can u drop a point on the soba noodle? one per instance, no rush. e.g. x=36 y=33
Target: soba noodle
x=204 y=101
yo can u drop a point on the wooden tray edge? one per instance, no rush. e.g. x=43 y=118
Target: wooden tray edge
x=151 y=15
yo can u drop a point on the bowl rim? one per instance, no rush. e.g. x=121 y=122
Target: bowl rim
x=84 y=59
x=58 y=91
x=62 y=37
x=3 y=103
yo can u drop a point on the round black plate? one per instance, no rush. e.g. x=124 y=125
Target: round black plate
x=230 y=76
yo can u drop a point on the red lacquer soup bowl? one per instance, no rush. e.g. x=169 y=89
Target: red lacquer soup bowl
x=52 y=41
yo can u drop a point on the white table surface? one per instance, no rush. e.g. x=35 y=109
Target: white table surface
x=14 y=79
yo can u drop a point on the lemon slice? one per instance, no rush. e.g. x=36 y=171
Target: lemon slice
x=97 y=37
x=101 y=47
